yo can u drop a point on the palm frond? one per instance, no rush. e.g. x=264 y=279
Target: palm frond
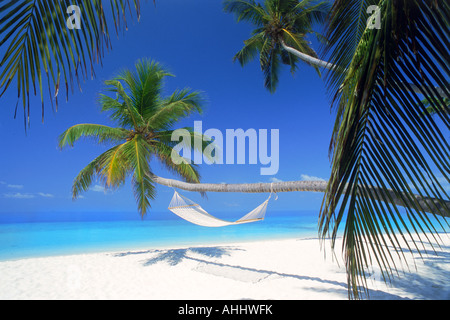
x=94 y=169
x=123 y=108
x=137 y=153
x=246 y=10
x=345 y=28
x=382 y=138
x=38 y=43
x=184 y=169
x=250 y=50
x=144 y=85
x=115 y=167
x=270 y=64
x=144 y=191
x=101 y=133
x=198 y=142
x=309 y=13
x=289 y=59
x=116 y=109
x=180 y=104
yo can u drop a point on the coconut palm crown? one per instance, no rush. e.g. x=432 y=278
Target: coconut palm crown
x=280 y=34
x=145 y=119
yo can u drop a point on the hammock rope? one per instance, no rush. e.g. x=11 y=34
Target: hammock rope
x=194 y=213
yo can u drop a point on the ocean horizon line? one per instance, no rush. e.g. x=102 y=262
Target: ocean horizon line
x=45 y=235
x=80 y=216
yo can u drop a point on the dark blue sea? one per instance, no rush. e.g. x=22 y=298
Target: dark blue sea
x=47 y=234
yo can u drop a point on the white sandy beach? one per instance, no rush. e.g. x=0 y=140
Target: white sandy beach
x=291 y=269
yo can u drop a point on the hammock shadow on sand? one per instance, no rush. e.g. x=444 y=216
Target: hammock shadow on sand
x=239 y=273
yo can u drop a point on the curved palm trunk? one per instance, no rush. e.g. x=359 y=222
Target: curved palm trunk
x=308 y=58
x=330 y=66
x=435 y=206
x=289 y=186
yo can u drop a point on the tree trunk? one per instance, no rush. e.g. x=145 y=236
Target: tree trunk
x=307 y=58
x=435 y=206
x=327 y=65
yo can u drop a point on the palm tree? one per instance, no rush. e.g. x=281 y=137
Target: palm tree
x=38 y=42
x=383 y=136
x=281 y=27
x=144 y=121
x=382 y=147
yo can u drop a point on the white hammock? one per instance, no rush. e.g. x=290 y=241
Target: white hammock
x=192 y=212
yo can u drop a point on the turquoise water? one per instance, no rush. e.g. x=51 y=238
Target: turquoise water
x=49 y=234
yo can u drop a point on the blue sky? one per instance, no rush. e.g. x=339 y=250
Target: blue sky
x=196 y=41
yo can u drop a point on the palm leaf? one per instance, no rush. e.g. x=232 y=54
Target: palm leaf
x=383 y=139
x=123 y=108
x=117 y=110
x=95 y=169
x=203 y=141
x=116 y=168
x=144 y=191
x=101 y=133
x=144 y=85
x=307 y=13
x=246 y=10
x=187 y=171
x=250 y=50
x=37 y=41
x=270 y=64
x=346 y=25
x=179 y=105
x=137 y=153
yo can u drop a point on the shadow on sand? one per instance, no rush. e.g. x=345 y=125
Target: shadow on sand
x=202 y=255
